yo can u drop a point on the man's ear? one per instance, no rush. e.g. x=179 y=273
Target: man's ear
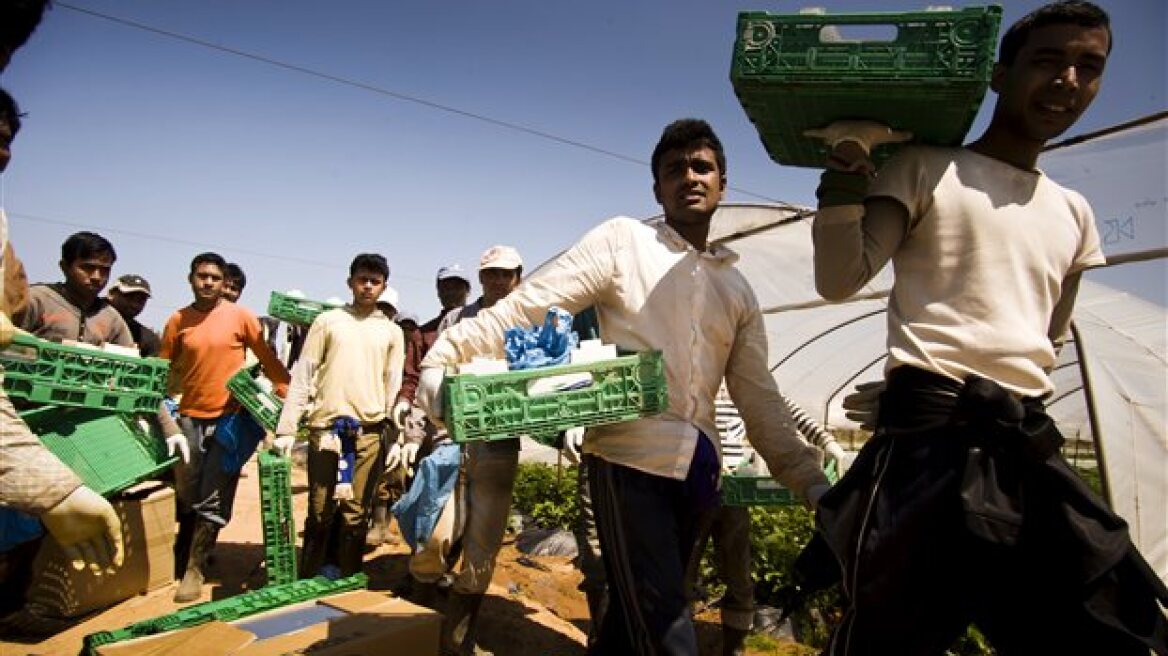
x=997 y=77
x=722 y=179
x=64 y=267
x=657 y=192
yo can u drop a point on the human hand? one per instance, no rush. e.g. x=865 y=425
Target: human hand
x=88 y=530
x=851 y=143
x=430 y=393
x=409 y=454
x=283 y=444
x=573 y=444
x=393 y=457
x=400 y=412
x=863 y=405
x=178 y=442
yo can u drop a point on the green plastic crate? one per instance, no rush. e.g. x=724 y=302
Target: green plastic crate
x=226 y=610
x=264 y=406
x=300 y=311
x=763 y=490
x=498 y=406
x=41 y=371
x=791 y=75
x=108 y=452
x=278 y=521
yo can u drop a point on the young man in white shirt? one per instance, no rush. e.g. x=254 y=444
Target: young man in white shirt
x=664 y=287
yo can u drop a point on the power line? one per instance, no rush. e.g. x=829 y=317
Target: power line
x=507 y=125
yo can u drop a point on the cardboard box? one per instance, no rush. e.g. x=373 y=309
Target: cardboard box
x=348 y=624
x=148 y=532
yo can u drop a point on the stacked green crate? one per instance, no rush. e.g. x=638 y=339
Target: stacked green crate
x=109 y=452
x=278 y=521
x=794 y=72
x=500 y=406
x=40 y=371
x=264 y=406
x=226 y=610
x=299 y=311
x=741 y=490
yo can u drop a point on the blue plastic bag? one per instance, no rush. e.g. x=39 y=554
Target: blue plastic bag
x=16 y=528
x=541 y=346
x=417 y=512
x=239 y=434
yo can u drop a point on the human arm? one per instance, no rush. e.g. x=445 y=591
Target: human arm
x=14 y=301
x=412 y=366
x=303 y=373
x=393 y=373
x=770 y=428
x=273 y=368
x=176 y=440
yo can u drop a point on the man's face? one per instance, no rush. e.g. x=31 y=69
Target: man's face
x=128 y=305
x=85 y=277
x=367 y=286
x=231 y=290
x=689 y=185
x=1055 y=76
x=452 y=292
x=497 y=283
x=207 y=282
x=6 y=137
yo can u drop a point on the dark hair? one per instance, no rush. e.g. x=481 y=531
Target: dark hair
x=80 y=245
x=1072 y=12
x=209 y=258
x=18 y=20
x=234 y=273
x=688 y=133
x=9 y=111
x=369 y=262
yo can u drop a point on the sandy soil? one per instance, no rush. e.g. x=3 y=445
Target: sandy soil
x=533 y=607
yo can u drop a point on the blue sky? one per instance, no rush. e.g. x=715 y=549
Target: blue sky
x=170 y=148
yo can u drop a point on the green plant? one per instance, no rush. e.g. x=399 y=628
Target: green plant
x=547 y=494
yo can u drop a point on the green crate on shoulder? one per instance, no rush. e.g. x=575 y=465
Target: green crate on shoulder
x=44 y=372
x=928 y=74
x=500 y=406
x=299 y=311
x=109 y=452
x=763 y=490
x=262 y=405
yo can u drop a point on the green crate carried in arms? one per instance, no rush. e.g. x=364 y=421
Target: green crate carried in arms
x=763 y=490
x=226 y=610
x=41 y=371
x=299 y=311
x=262 y=405
x=794 y=72
x=278 y=521
x=504 y=405
x=109 y=452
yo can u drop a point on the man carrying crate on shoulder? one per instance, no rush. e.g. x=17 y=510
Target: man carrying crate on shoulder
x=660 y=287
x=350 y=368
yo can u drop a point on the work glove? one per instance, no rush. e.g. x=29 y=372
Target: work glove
x=393 y=457
x=88 y=530
x=843 y=459
x=573 y=444
x=283 y=444
x=851 y=142
x=430 y=394
x=178 y=442
x=401 y=412
x=863 y=405
x=409 y=455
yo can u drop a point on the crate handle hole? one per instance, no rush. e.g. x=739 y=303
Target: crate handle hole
x=858 y=34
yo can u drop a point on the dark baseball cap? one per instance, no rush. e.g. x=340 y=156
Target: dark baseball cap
x=132 y=283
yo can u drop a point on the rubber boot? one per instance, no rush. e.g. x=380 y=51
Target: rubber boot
x=182 y=543
x=379 y=532
x=459 y=624
x=597 y=607
x=351 y=550
x=734 y=641
x=314 y=552
x=426 y=594
x=201 y=543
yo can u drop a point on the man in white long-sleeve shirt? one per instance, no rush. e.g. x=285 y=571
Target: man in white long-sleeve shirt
x=350 y=368
x=661 y=286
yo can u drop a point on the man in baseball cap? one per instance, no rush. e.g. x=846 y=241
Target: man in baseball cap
x=128 y=296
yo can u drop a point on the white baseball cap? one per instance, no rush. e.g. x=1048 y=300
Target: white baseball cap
x=453 y=271
x=500 y=257
x=389 y=296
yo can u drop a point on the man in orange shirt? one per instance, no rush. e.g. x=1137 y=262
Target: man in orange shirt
x=205 y=343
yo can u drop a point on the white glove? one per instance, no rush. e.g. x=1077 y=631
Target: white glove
x=851 y=142
x=843 y=459
x=430 y=393
x=393 y=457
x=409 y=453
x=573 y=444
x=178 y=442
x=283 y=444
x=88 y=530
x=401 y=412
x=863 y=405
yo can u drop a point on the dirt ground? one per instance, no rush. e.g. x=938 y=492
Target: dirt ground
x=533 y=607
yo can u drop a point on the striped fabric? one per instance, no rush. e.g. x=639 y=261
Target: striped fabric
x=731 y=430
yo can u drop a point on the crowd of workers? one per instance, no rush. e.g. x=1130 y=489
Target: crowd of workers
x=959 y=510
